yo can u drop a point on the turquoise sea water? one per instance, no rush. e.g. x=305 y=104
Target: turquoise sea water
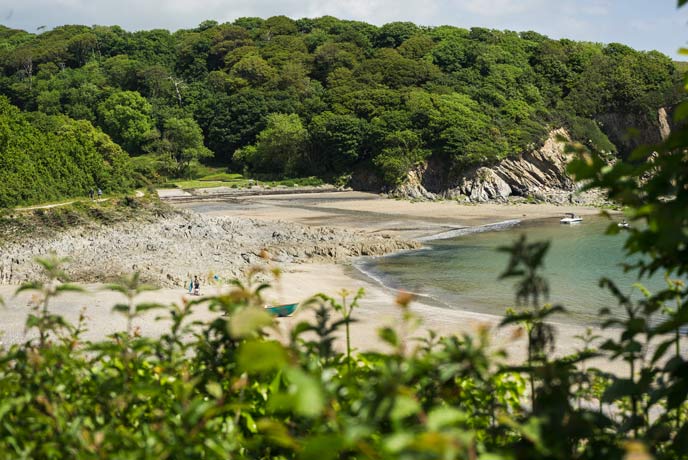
x=462 y=272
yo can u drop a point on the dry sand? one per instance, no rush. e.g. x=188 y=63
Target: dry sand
x=376 y=309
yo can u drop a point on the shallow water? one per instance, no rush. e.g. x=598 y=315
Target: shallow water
x=462 y=272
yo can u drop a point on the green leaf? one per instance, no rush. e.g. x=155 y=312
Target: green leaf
x=681 y=112
x=250 y=423
x=323 y=447
x=276 y=432
x=444 y=416
x=307 y=395
x=248 y=321
x=618 y=389
x=214 y=389
x=146 y=306
x=67 y=287
x=389 y=335
x=404 y=406
x=29 y=286
x=398 y=441
x=121 y=308
x=661 y=350
x=261 y=356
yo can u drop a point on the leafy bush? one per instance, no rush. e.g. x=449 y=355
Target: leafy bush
x=47 y=158
x=588 y=132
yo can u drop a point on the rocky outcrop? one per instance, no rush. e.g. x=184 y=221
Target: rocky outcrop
x=664 y=125
x=413 y=187
x=170 y=249
x=538 y=173
x=628 y=130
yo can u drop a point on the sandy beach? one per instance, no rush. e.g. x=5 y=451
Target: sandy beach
x=356 y=211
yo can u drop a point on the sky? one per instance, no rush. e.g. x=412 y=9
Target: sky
x=641 y=24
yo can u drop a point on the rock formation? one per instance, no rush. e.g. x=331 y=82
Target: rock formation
x=171 y=249
x=540 y=173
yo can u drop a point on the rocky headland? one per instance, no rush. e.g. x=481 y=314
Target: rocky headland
x=538 y=175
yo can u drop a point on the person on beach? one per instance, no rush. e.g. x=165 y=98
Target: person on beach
x=190 y=286
x=197 y=286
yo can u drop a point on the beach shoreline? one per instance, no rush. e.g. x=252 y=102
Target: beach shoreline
x=366 y=214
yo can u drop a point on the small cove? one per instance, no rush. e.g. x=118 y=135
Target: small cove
x=462 y=272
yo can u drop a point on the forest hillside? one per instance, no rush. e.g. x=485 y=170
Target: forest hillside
x=310 y=97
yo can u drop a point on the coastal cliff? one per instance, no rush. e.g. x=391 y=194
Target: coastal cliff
x=538 y=174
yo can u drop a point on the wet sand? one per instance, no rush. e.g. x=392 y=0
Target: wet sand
x=372 y=213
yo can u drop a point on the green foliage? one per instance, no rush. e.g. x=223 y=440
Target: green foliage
x=336 y=142
x=280 y=147
x=488 y=94
x=182 y=143
x=126 y=116
x=588 y=132
x=402 y=151
x=46 y=158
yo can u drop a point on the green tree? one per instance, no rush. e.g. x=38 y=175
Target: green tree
x=336 y=142
x=127 y=117
x=394 y=34
x=182 y=142
x=402 y=151
x=280 y=147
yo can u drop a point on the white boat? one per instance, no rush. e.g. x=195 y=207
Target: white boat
x=624 y=224
x=571 y=218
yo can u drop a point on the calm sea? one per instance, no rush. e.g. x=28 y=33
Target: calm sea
x=462 y=272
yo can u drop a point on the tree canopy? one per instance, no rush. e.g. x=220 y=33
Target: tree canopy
x=467 y=95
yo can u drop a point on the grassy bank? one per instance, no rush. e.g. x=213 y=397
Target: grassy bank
x=16 y=225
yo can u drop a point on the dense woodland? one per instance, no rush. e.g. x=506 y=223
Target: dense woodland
x=285 y=97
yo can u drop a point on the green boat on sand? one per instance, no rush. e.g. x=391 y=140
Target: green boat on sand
x=286 y=309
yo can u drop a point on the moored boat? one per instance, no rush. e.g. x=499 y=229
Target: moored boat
x=571 y=218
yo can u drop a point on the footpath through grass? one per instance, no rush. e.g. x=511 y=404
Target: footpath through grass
x=44 y=220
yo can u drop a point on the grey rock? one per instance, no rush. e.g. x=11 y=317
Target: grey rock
x=170 y=250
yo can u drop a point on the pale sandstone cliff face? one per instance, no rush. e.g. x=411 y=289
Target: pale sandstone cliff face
x=539 y=172
x=664 y=126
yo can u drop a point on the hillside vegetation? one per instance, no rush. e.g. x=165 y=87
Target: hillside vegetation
x=305 y=97
x=48 y=157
